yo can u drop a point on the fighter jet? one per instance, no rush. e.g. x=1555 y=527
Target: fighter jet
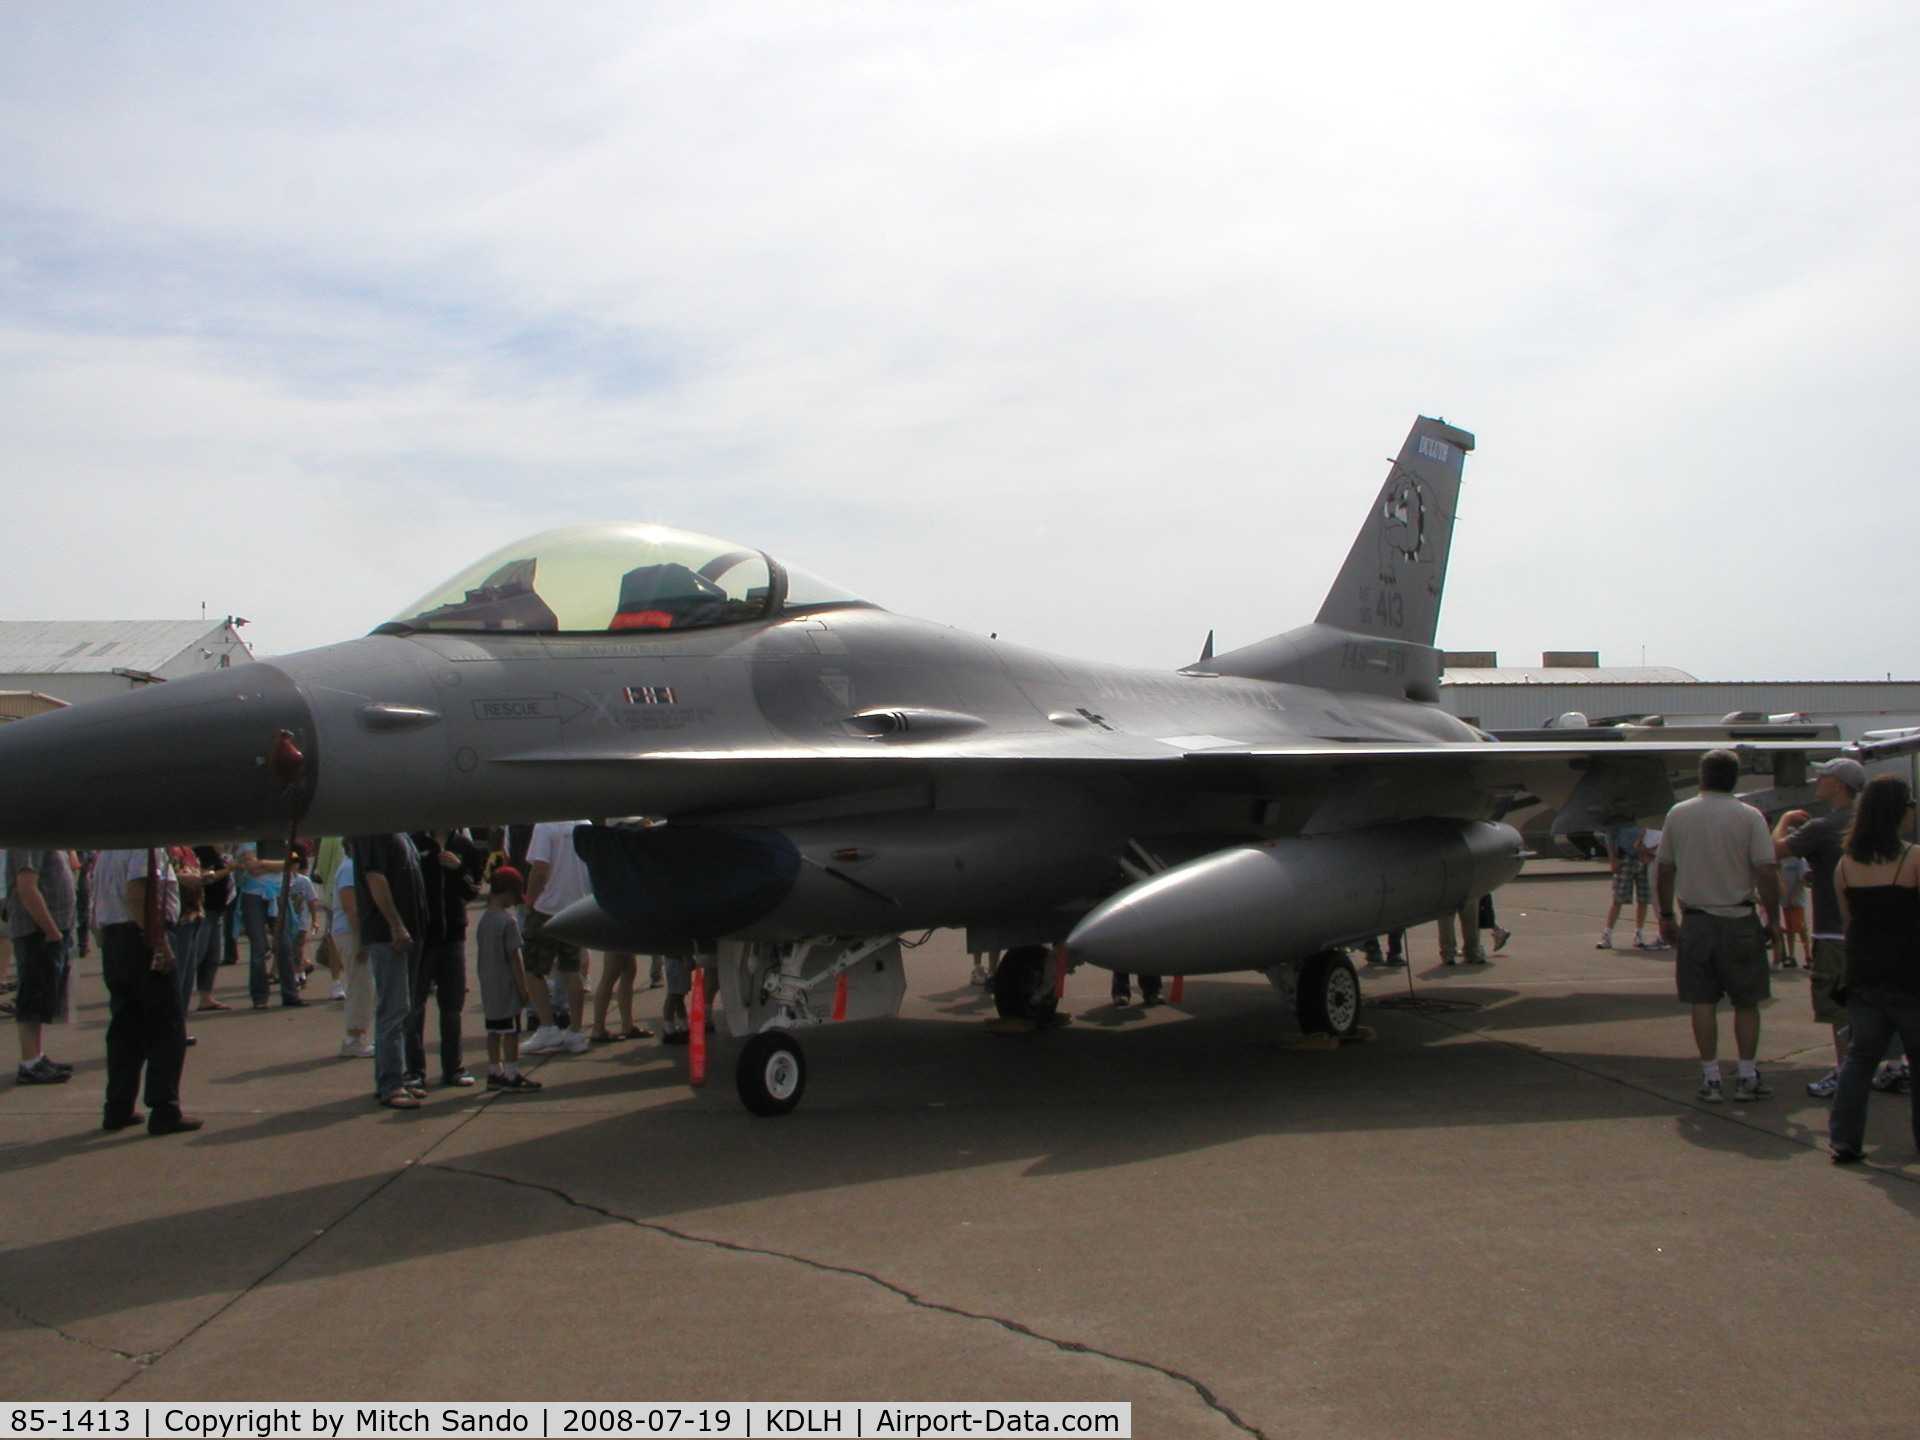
x=834 y=776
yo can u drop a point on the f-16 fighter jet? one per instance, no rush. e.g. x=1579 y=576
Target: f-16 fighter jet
x=834 y=776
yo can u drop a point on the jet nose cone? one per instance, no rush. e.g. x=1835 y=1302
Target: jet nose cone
x=229 y=754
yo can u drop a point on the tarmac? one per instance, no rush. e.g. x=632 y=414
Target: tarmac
x=1512 y=1219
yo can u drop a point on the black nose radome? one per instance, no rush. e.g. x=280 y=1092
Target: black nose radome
x=225 y=755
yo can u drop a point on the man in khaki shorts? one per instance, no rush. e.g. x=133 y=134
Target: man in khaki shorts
x=556 y=877
x=1715 y=855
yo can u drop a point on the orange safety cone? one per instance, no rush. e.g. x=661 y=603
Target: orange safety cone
x=840 y=997
x=697 y=1028
x=1177 y=992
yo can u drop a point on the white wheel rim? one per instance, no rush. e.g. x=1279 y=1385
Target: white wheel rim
x=783 y=1074
x=1343 y=999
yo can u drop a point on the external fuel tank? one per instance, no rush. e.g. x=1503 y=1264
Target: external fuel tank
x=1252 y=906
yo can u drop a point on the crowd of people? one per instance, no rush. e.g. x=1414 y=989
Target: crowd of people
x=386 y=917
x=1721 y=869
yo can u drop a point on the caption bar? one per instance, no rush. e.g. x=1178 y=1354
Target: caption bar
x=743 y=1420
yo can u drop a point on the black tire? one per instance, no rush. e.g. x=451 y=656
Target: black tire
x=1023 y=985
x=1328 y=1001
x=771 y=1074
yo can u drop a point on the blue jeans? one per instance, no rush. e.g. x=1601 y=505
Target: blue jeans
x=262 y=933
x=392 y=1000
x=193 y=944
x=1878 y=1013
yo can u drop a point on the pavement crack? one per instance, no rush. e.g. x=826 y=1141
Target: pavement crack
x=141 y=1360
x=1072 y=1347
x=155 y=1357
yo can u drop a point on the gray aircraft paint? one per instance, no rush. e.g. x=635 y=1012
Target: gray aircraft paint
x=962 y=781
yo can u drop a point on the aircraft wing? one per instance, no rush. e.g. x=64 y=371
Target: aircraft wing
x=1584 y=777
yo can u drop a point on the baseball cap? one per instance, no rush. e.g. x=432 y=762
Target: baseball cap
x=1850 y=773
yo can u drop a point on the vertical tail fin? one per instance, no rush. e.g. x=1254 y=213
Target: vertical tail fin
x=1390 y=586
x=1376 y=628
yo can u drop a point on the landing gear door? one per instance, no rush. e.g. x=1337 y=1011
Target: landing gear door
x=791 y=985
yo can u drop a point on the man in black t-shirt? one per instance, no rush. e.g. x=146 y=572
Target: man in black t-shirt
x=390 y=896
x=450 y=867
x=1821 y=843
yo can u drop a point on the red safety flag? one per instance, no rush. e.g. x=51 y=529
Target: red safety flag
x=697 y=1027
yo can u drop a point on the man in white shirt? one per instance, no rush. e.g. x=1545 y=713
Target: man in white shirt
x=1716 y=856
x=135 y=899
x=556 y=877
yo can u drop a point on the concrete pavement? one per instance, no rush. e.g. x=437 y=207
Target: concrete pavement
x=1508 y=1220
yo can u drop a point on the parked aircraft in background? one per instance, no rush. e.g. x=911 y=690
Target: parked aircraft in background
x=835 y=776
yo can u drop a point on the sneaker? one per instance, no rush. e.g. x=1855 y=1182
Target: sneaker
x=1476 y=957
x=1711 y=1092
x=1606 y=940
x=672 y=1037
x=1500 y=938
x=496 y=1081
x=1639 y=940
x=978 y=977
x=1791 y=963
x=1891 y=1076
x=42 y=1072
x=575 y=1043
x=339 y=990
x=544 y=1041
x=1825 y=1086
x=1752 y=1087
x=1657 y=943
x=459 y=1079
x=518 y=1082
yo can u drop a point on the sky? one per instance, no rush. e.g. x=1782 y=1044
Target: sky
x=1091 y=325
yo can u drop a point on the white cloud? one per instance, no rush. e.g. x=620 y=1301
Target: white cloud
x=1086 y=323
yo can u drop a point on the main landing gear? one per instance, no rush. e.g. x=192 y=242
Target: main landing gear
x=1324 y=990
x=1023 y=985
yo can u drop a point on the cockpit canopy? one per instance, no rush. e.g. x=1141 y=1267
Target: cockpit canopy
x=598 y=579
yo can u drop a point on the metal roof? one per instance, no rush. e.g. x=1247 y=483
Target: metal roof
x=1539 y=675
x=77 y=647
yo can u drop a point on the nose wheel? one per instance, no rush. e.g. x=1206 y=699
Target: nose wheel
x=771 y=1074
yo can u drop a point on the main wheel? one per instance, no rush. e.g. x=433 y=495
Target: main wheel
x=771 y=1074
x=1023 y=985
x=1328 y=1001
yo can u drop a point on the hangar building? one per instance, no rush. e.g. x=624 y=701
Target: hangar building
x=77 y=660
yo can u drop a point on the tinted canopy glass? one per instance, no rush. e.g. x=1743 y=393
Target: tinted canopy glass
x=602 y=578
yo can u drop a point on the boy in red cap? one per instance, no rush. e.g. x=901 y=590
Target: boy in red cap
x=503 y=980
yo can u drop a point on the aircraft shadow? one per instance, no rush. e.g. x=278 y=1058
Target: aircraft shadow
x=910 y=1100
